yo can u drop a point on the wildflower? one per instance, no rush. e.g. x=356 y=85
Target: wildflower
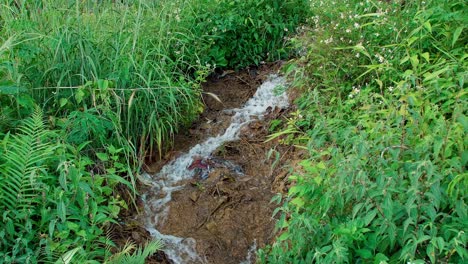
x=348 y=30
x=355 y=91
x=380 y=58
x=328 y=41
x=356 y=25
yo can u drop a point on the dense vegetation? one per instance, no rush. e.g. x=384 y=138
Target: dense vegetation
x=383 y=117
x=88 y=88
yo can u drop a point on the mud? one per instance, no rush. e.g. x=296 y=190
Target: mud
x=227 y=211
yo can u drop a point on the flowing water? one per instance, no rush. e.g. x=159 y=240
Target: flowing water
x=173 y=175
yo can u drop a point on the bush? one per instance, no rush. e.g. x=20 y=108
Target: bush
x=240 y=33
x=384 y=115
x=51 y=199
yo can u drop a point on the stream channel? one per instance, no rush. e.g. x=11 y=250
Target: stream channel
x=209 y=201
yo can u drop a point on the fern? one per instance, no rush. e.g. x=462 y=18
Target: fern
x=138 y=256
x=23 y=164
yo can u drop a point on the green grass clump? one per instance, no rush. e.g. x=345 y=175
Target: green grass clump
x=383 y=116
x=108 y=61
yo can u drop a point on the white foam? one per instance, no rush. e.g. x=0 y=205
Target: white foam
x=179 y=250
x=251 y=254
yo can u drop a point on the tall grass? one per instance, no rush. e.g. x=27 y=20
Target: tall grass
x=80 y=54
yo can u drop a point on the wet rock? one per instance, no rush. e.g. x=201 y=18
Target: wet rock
x=228 y=112
x=194 y=196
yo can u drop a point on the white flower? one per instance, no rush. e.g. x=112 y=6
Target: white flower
x=356 y=25
x=380 y=58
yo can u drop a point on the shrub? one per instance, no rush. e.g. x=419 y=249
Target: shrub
x=51 y=200
x=246 y=32
x=384 y=112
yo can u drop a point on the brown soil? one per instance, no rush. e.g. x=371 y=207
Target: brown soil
x=227 y=213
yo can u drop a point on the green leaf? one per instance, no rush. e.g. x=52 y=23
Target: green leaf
x=102 y=156
x=52 y=228
x=283 y=236
x=438 y=142
x=457 y=34
x=79 y=95
x=425 y=55
x=62 y=211
x=364 y=253
x=68 y=256
x=102 y=84
x=414 y=60
x=370 y=216
x=428 y=26
x=380 y=259
x=63 y=102
x=298 y=202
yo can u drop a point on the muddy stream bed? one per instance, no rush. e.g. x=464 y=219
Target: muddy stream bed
x=209 y=197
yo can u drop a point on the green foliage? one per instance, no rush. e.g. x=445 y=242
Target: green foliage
x=14 y=100
x=53 y=199
x=114 y=79
x=92 y=56
x=240 y=33
x=142 y=60
x=384 y=118
x=139 y=255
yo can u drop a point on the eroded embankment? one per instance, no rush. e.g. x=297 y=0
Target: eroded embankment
x=218 y=210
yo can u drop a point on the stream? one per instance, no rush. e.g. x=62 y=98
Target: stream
x=198 y=163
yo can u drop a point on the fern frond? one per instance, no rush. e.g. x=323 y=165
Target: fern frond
x=23 y=161
x=139 y=256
